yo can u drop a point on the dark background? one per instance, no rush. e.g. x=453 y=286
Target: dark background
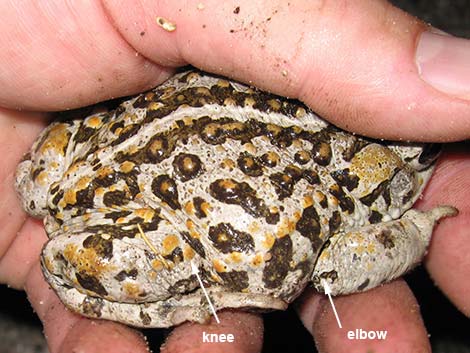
x=20 y=330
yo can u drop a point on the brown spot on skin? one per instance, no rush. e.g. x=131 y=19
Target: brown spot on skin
x=91 y=283
x=302 y=157
x=270 y=159
x=409 y=195
x=187 y=166
x=102 y=246
x=227 y=239
x=276 y=269
x=201 y=207
x=321 y=153
x=283 y=184
x=249 y=165
x=184 y=285
x=235 y=280
x=375 y=217
x=132 y=274
x=236 y=11
x=321 y=199
x=309 y=227
x=334 y=222
x=126 y=133
x=233 y=192
x=116 y=198
x=311 y=176
x=354 y=148
x=386 y=238
x=363 y=285
x=345 y=202
x=92 y=306
x=145 y=318
x=345 y=178
x=330 y=277
x=194 y=243
x=158 y=149
x=165 y=188
x=369 y=199
x=176 y=256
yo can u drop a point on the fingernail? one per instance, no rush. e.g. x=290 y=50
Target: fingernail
x=444 y=62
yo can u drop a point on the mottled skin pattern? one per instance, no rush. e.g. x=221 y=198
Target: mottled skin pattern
x=254 y=189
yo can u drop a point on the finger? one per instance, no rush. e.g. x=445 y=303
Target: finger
x=17 y=131
x=447 y=261
x=69 y=332
x=22 y=254
x=246 y=328
x=391 y=307
x=365 y=66
x=63 y=56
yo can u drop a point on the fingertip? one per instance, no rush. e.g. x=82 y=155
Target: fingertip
x=391 y=308
x=447 y=261
x=96 y=336
x=245 y=328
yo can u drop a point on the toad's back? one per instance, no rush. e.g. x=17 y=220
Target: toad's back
x=245 y=185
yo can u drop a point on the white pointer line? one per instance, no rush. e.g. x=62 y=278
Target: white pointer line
x=196 y=272
x=328 y=293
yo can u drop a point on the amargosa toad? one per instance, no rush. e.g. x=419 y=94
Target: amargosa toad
x=255 y=190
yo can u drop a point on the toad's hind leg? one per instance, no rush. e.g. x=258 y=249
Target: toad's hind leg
x=364 y=258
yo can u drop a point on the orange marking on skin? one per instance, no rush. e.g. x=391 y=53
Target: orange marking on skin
x=258 y=259
x=42 y=178
x=57 y=140
x=169 y=244
x=189 y=208
x=236 y=256
x=104 y=172
x=219 y=265
x=131 y=289
x=268 y=241
x=93 y=122
x=188 y=253
x=127 y=166
x=146 y=214
x=70 y=197
x=86 y=260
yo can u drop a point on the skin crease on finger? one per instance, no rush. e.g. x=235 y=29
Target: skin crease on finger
x=318 y=51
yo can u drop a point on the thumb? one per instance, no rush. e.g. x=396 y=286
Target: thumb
x=364 y=65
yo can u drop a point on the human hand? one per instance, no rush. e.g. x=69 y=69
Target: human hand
x=352 y=62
